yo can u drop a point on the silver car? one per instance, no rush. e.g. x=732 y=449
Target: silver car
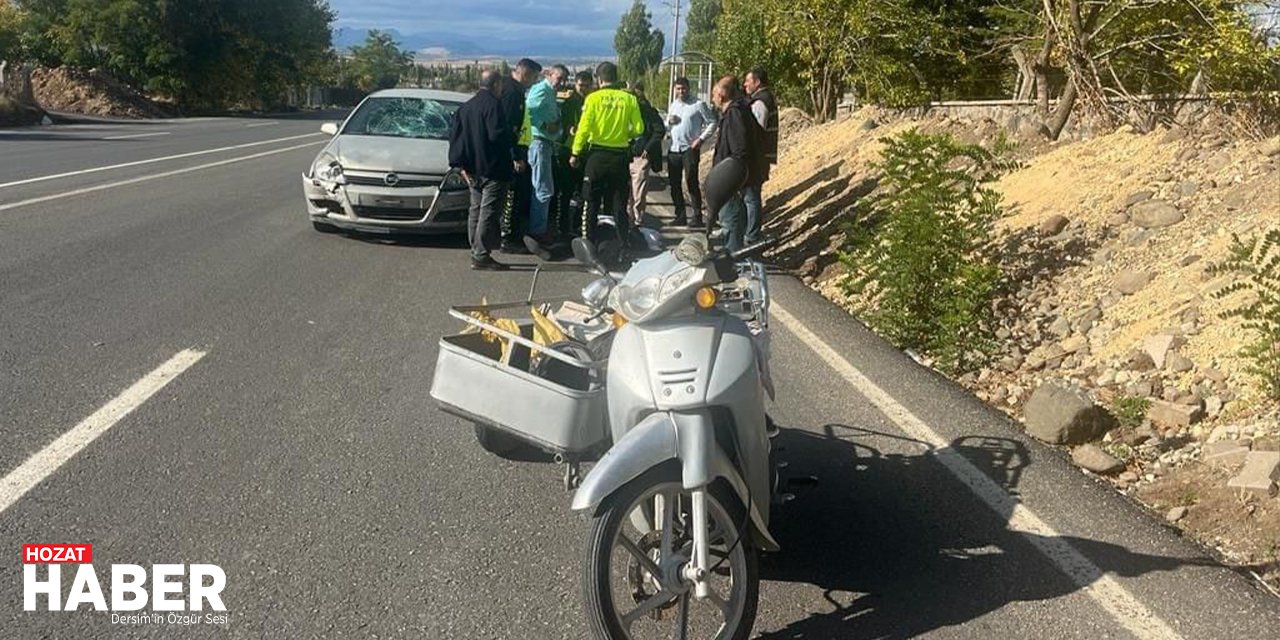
x=387 y=168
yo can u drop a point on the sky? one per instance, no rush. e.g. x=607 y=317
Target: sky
x=581 y=27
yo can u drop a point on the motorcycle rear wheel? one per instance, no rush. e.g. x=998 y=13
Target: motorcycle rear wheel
x=624 y=598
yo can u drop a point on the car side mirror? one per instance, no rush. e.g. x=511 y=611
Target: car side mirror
x=330 y=128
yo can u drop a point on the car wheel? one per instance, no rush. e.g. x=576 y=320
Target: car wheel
x=323 y=227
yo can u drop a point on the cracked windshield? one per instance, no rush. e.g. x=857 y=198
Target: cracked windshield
x=402 y=118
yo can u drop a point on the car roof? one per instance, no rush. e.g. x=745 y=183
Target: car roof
x=427 y=94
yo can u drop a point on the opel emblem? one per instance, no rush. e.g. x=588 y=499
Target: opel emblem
x=391 y=179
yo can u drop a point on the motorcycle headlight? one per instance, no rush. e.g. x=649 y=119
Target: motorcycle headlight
x=453 y=182
x=636 y=301
x=328 y=169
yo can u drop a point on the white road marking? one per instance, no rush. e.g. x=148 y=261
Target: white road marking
x=136 y=163
x=154 y=176
x=261 y=124
x=56 y=453
x=138 y=135
x=1109 y=594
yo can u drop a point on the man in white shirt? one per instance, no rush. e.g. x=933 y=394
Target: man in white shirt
x=692 y=122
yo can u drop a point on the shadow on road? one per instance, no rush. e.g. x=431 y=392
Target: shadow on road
x=900 y=547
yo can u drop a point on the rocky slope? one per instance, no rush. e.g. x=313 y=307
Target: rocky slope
x=1106 y=244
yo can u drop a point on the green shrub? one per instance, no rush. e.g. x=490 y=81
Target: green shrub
x=922 y=267
x=1130 y=411
x=1256 y=263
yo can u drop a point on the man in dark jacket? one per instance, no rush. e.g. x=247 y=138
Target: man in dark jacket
x=480 y=147
x=764 y=107
x=647 y=154
x=740 y=138
x=516 y=215
x=566 y=204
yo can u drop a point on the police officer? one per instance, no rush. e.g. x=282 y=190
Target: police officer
x=610 y=121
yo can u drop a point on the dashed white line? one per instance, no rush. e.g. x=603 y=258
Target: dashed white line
x=261 y=124
x=137 y=163
x=39 y=466
x=154 y=176
x=138 y=135
x=1102 y=588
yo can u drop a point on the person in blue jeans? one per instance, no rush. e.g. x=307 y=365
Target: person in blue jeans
x=543 y=116
x=764 y=107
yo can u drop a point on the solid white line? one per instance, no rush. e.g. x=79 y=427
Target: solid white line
x=1109 y=594
x=261 y=124
x=55 y=454
x=138 y=135
x=136 y=163
x=155 y=176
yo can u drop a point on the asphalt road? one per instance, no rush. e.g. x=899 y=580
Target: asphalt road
x=303 y=455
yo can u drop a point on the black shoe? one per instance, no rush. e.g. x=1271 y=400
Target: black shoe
x=513 y=248
x=680 y=221
x=537 y=248
x=487 y=263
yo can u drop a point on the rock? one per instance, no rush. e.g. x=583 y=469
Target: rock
x=1190 y=260
x=1128 y=477
x=1188 y=188
x=1178 y=363
x=1159 y=346
x=1053 y=225
x=1138 y=196
x=1139 y=237
x=1073 y=344
x=1107 y=378
x=1213 y=406
x=1260 y=473
x=1131 y=282
x=1091 y=457
x=868 y=124
x=1271 y=148
x=1172 y=414
x=1155 y=214
x=1060 y=327
x=1058 y=414
x=1137 y=438
x=1003 y=333
x=1227 y=455
x=1140 y=388
x=1141 y=361
x=1215 y=375
x=1188 y=154
x=1175 y=514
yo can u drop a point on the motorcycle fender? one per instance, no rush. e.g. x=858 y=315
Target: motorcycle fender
x=654 y=441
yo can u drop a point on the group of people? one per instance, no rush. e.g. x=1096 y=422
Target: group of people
x=545 y=158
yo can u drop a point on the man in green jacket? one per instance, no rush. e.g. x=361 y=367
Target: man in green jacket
x=610 y=121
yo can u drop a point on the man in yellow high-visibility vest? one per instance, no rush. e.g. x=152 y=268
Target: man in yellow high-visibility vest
x=610 y=121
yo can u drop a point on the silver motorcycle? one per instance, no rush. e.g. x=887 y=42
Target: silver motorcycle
x=680 y=503
x=673 y=392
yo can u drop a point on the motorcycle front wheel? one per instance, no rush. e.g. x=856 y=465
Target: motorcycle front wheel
x=640 y=538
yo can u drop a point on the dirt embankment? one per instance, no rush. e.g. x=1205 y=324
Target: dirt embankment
x=1107 y=243
x=92 y=92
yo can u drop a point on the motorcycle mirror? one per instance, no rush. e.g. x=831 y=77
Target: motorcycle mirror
x=585 y=252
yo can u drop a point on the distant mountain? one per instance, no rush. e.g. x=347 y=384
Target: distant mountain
x=442 y=44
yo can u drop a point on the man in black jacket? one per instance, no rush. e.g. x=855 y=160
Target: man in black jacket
x=516 y=214
x=480 y=147
x=764 y=107
x=646 y=154
x=740 y=138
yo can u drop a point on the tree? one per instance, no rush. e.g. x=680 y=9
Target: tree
x=202 y=54
x=637 y=43
x=12 y=27
x=380 y=62
x=700 y=26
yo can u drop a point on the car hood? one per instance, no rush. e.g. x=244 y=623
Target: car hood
x=384 y=153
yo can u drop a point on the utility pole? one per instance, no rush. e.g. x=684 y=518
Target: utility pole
x=675 y=46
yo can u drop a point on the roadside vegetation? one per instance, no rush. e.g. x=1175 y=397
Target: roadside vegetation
x=1256 y=264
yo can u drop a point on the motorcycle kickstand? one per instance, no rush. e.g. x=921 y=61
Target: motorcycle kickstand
x=572 y=475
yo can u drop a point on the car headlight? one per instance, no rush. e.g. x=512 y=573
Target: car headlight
x=453 y=182
x=328 y=169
